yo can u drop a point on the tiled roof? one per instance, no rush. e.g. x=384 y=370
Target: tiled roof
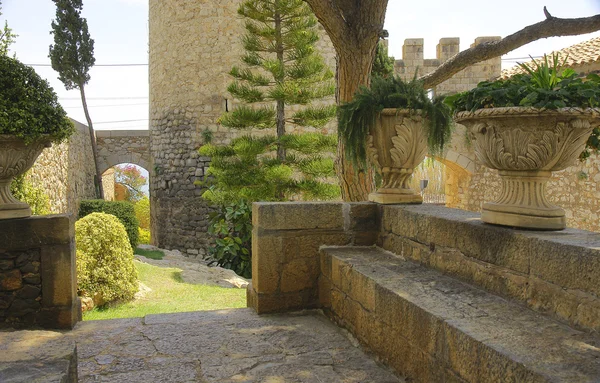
x=583 y=53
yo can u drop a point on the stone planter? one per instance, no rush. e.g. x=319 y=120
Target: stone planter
x=396 y=145
x=526 y=145
x=15 y=159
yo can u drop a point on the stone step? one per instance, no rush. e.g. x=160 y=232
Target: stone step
x=37 y=357
x=433 y=328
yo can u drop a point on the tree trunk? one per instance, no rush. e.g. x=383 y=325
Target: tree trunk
x=98 y=178
x=280 y=78
x=354 y=28
x=354 y=69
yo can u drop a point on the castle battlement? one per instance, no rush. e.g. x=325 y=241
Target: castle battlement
x=413 y=60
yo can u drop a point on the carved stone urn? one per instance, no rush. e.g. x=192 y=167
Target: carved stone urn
x=395 y=146
x=15 y=159
x=526 y=145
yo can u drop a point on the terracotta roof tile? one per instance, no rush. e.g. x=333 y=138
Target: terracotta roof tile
x=578 y=54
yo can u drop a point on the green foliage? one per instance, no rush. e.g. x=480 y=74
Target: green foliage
x=547 y=86
x=7 y=37
x=142 y=212
x=231 y=225
x=72 y=54
x=358 y=116
x=383 y=66
x=29 y=107
x=123 y=210
x=245 y=170
x=144 y=236
x=104 y=258
x=152 y=254
x=34 y=196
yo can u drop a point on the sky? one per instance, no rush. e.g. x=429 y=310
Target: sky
x=118 y=95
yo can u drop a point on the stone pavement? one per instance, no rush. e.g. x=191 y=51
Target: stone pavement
x=223 y=346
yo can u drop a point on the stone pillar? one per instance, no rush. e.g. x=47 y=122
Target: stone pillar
x=38 y=284
x=448 y=47
x=286 y=238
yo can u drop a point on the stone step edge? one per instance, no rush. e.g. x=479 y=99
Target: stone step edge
x=399 y=307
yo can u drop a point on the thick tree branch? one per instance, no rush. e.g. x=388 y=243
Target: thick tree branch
x=550 y=27
x=331 y=17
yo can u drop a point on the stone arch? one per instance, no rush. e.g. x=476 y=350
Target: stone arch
x=123 y=146
x=461 y=167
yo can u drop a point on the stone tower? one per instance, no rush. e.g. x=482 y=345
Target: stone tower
x=193 y=45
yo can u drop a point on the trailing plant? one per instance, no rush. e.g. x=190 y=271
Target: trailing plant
x=29 y=107
x=123 y=210
x=104 y=258
x=358 y=116
x=37 y=199
x=546 y=85
x=231 y=225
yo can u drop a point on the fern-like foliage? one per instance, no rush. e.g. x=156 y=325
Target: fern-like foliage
x=358 y=116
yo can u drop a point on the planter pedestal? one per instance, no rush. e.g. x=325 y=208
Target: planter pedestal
x=526 y=145
x=15 y=159
x=523 y=202
x=10 y=207
x=396 y=145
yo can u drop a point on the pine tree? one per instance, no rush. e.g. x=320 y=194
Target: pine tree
x=72 y=56
x=280 y=68
x=383 y=66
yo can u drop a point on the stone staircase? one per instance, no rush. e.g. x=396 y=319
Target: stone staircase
x=438 y=329
x=435 y=293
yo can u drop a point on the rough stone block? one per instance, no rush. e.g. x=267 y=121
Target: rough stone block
x=297 y=215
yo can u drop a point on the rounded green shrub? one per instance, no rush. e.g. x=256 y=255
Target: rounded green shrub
x=123 y=210
x=34 y=196
x=29 y=107
x=144 y=236
x=104 y=258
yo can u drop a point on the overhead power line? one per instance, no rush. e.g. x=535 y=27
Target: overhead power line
x=121 y=121
x=106 y=98
x=105 y=106
x=103 y=65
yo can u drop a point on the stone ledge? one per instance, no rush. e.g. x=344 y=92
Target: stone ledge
x=434 y=328
x=554 y=272
x=122 y=133
x=37 y=357
x=36 y=231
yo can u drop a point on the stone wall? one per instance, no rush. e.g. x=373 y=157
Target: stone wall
x=123 y=146
x=66 y=172
x=193 y=45
x=108 y=184
x=38 y=285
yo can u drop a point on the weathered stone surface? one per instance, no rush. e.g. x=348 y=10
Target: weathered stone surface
x=555 y=273
x=431 y=327
x=10 y=280
x=233 y=346
x=297 y=215
x=37 y=357
x=38 y=285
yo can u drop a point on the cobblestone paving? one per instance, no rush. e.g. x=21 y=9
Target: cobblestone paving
x=223 y=346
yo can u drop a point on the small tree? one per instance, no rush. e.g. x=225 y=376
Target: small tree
x=72 y=56
x=132 y=179
x=280 y=68
x=7 y=37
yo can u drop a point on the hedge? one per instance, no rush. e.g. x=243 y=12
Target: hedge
x=123 y=210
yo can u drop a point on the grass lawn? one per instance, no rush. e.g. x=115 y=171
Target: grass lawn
x=152 y=254
x=169 y=295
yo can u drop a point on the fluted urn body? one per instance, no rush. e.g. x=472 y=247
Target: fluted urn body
x=396 y=145
x=15 y=159
x=526 y=145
